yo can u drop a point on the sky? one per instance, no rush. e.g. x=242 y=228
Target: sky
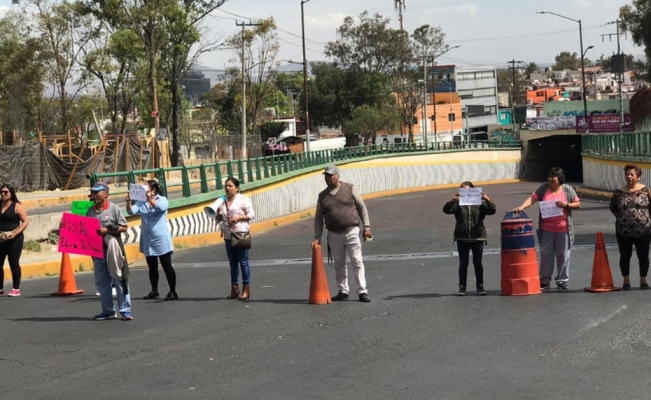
x=488 y=31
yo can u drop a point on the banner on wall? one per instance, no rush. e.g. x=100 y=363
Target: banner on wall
x=603 y=123
x=551 y=123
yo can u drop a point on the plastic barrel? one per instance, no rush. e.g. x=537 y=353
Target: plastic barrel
x=519 y=262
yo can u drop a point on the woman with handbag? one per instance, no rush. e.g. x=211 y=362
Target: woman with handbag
x=234 y=212
x=13 y=221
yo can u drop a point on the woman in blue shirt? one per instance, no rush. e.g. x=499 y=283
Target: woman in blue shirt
x=155 y=238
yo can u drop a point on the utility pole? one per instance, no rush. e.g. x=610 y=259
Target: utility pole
x=307 y=114
x=620 y=75
x=400 y=5
x=244 y=25
x=512 y=67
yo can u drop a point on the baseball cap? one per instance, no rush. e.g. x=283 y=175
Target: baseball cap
x=99 y=186
x=331 y=170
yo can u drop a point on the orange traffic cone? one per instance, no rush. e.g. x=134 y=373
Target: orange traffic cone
x=602 y=279
x=67 y=284
x=319 y=292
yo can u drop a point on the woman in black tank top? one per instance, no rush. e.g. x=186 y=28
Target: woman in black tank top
x=13 y=221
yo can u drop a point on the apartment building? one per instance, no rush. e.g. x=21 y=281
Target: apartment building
x=477 y=88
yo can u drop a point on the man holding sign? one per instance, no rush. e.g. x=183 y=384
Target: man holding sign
x=556 y=226
x=470 y=206
x=112 y=269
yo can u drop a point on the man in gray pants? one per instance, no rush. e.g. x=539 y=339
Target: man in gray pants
x=341 y=207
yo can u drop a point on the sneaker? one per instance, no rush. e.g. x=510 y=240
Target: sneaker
x=544 y=287
x=2 y=292
x=340 y=296
x=561 y=285
x=481 y=291
x=462 y=291
x=171 y=296
x=364 y=298
x=126 y=316
x=104 y=316
x=14 y=293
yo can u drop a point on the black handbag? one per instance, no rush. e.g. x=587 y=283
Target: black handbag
x=239 y=240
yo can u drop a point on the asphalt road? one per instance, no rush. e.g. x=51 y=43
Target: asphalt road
x=414 y=340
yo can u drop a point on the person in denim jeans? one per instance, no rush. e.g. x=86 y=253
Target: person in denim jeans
x=234 y=212
x=470 y=234
x=112 y=223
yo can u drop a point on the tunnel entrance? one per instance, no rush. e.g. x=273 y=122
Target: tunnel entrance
x=554 y=151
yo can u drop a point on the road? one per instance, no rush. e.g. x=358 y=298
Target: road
x=416 y=339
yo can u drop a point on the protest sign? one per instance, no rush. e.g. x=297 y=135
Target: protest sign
x=138 y=192
x=81 y=207
x=78 y=235
x=470 y=196
x=549 y=209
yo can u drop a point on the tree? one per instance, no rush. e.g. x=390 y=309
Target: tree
x=567 y=60
x=607 y=62
x=261 y=46
x=530 y=69
x=428 y=42
x=370 y=45
x=641 y=110
x=367 y=121
x=636 y=19
x=56 y=27
x=22 y=74
x=505 y=85
x=409 y=98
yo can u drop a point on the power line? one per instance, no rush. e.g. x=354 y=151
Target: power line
x=520 y=36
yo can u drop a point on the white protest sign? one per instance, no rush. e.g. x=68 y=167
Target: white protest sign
x=470 y=197
x=138 y=192
x=549 y=209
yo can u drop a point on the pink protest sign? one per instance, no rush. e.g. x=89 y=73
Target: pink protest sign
x=78 y=235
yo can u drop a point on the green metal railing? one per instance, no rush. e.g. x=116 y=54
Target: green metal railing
x=211 y=177
x=621 y=144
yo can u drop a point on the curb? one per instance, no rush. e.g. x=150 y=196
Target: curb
x=596 y=193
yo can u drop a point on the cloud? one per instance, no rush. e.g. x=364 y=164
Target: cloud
x=457 y=10
x=329 y=21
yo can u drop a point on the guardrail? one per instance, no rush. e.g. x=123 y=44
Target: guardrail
x=620 y=144
x=211 y=177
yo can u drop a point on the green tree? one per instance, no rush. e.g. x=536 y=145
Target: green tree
x=636 y=19
x=530 y=69
x=367 y=121
x=370 y=45
x=567 y=60
x=22 y=75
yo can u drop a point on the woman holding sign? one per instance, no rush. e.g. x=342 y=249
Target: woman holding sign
x=13 y=221
x=631 y=205
x=235 y=211
x=470 y=206
x=556 y=226
x=156 y=238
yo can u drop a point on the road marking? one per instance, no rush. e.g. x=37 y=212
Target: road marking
x=368 y=258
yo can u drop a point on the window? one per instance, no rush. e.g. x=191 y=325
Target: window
x=485 y=75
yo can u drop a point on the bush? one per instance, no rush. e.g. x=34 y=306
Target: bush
x=32 y=245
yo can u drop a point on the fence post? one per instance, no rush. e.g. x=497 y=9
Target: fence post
x=229 y=168
x=218 y=176
x=204 y=178
x=258 y=176
x=240 y=170
x=249 y=171
x=162 y=181
x=186 y=182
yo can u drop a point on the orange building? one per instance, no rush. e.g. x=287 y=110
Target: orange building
x=448 y=121
x=543 y=95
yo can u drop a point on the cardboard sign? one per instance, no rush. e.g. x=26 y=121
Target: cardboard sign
x=470 y=197
x=81 y=207
x=549 y=209
x=138 y=192
x=78 y=235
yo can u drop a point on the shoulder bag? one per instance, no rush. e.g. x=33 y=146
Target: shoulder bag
x=239 y=240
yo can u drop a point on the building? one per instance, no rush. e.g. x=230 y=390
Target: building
x=444 y=118
x=476 y=86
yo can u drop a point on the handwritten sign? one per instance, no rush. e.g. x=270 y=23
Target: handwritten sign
x=470 y=196
x=549 y=209
x=138 y=192
x=81 y=207
x=78 y=235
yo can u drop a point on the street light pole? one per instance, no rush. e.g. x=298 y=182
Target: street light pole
x=585 y=100
x=307 y=114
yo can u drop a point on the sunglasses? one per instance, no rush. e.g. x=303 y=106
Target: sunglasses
x=4 y=191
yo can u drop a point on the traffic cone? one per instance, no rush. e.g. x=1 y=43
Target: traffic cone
x=602 y=279
x=67 y=284
x=319 y=292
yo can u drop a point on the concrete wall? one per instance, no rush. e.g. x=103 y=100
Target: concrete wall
x=608 y=175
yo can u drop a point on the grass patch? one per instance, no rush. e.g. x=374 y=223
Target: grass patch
x=32 y=245
x=53 y=238
x=181 y=246
x=50 y=274
x=306 y=216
